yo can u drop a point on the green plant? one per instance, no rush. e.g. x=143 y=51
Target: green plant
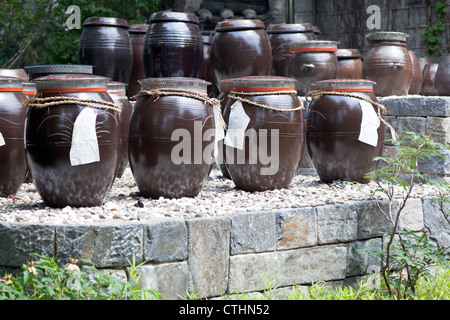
x=44 y=279
x=404 y=251
x=433 y=33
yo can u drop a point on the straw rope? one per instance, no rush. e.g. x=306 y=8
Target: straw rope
x=55 y=101
x=237 y=96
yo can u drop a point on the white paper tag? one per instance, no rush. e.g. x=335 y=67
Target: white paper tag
x=219 y=132
x=2 y=140
x=237 y=125
x=84 y=147
x=369 y=124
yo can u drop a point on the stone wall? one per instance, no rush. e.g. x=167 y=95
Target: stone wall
x=229 y=254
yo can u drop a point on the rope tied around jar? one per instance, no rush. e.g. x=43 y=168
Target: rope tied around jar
x=236 y=96
x=157 y=93
x=56 y=101
x=381 y=110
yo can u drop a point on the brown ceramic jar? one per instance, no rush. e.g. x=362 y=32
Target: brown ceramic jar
x=137 y=36
x=280 y=36
x=333 y=128
x=173 y=46
x=417 y=78
x=350 y=64
x=169 y=144
x=207 y=72
x=312 y=61
x=442 y=78
x=12 y=153
x=50 y=142
x=274 y=139
x=106 y=45
x=388 y=64
x=117 y=92
x=47 y=69
x=429 y=74
x=240 y=48
x=423 y=61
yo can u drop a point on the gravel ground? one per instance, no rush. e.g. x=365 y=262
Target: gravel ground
x=218 y=197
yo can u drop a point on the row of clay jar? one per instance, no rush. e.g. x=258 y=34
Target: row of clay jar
x=171 y=45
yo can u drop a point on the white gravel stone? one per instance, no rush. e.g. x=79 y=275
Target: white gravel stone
x=218 y=197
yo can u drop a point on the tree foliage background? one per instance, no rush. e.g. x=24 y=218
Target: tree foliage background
x=35 y=32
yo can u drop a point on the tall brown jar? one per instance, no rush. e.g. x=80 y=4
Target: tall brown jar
x=350 y=64
x=442 y=78
x=312 y=61
x=417 y=77
x=173 y=46
x=106 y=45
x=240 y=48
x=12 y=153
x=273 y=142
x=341 y=132
x=170 y=139
x=388 y=63
x=207 y=72
x=137 y=36
x=280 y=36
x=72 y=147
x=117 y=92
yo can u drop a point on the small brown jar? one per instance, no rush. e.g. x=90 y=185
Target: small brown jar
x=442 y=78
x=280 y=36
x=429 y=75
x=350 y=64
x=388 y=64
x=312 y=61
x=274 y=138
x=171 y=137
x=117 y=92
x=417 y=78
x=333 y=130
x=50 y=140
x=12 y=117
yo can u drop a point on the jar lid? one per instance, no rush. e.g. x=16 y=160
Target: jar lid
x=47 y=69
x=170 y=16
x=10 y=84
x=290 y=28
x=67 y=83
x=387 y=36
x=185 y=83
x=313 y=45
x=29 y=87
x=257 y=84
x=239 y=24
x=116 y=87
x=138 y=28
x=344 y=85
x=16 y=73
x=348 y=53
x=106 y=21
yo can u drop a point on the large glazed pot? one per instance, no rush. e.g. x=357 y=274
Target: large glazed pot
x=417 y=78
x=344 y=134
x=173 y=46
x=265 y=153
x=388 y=63
x=312 y=61
x=106 y=45
x=442 y=78
x=280 y=36
x=38 y=71
x=350 y=64
x=170 y=139
x=12 y=153
x=240 y=48
x=117 y=92
x=429 y=75
x=72 y=146
x=137 y=36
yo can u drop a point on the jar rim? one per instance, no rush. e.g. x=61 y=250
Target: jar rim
x=171 y=16
x=343 y=84
x=313 y=45
x=250 y=83
x=59 y=69
x=239 y=24
x=138 y=28
x=67 y=82
x=106 y=21
x=174 y=83
x=290 y=28
x=387 y=36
